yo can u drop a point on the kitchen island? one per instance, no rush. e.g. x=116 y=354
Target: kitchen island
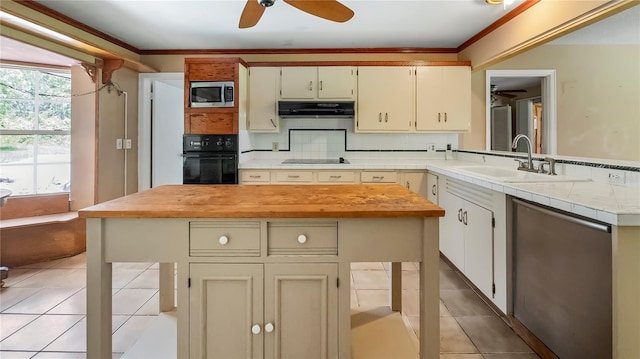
x=280 y=253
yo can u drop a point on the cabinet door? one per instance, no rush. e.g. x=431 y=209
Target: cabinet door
x=478 y=246
x=336 y=82
x=452 y=230
x=262 y=99
x=443 y=98
x=417 y=182
x=298 y=82
x=385 y=99
x=456 y=99
x=225 y=301
x=301 y=302
x=429 y=114
x=432 y=188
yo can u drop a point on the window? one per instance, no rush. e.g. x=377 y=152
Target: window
x=35 y=130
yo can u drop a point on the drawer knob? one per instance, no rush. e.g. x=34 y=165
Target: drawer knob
x=268 y=327
x=255 y=329
x=302 y=239
x=223 y=240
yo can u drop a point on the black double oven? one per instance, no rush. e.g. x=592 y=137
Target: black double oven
x=210 y=159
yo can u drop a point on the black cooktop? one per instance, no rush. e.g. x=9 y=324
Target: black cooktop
x=315 y=161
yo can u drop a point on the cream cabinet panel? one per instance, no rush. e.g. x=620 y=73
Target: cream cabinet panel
x=369 y=177
x=416 y=181
x=478 y=247
x=336 y=82
x=385 y=99
x=443 y=98
x=331 y=82
x=301 y=302
x=336 y=177
x=432 y=187
x=263 y=97
x=451 y=229
x=225 y=303
x=255 y=177
x=294 y=176
x=298 y=82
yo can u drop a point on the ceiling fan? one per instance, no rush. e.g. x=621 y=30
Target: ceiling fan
x=505 y=93
x=326 y=9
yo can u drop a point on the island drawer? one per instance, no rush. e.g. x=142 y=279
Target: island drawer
x=256 y=176
x=336 y=176
x=224 y=239
x=379 y=177
x=294 y=176
x=296 y=238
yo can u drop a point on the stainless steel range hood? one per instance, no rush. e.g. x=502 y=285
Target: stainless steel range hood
x=314 y=109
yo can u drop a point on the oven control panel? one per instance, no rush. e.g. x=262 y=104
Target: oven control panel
x=210 y=143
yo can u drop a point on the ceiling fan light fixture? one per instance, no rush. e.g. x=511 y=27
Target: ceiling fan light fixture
x=499 y=2
x=266 y=3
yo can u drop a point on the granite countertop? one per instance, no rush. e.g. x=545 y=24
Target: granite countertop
x=268 y=201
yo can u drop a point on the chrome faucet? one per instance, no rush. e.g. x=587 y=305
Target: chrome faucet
x=529 y=165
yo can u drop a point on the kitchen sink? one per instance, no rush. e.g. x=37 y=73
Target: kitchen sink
x=513 y=175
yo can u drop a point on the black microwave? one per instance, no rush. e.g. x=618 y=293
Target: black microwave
x=212 y=94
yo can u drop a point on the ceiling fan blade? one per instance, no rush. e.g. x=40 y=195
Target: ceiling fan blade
x=326 y=9
x=251 y=14
x=503 y=94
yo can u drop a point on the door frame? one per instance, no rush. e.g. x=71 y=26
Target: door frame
x=548 y=98
x=145 y=83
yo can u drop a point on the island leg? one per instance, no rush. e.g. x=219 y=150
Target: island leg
x=430 y=291
x=167 y=285
x=395 y=286
x=98 y=293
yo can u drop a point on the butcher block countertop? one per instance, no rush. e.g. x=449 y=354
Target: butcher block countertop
x=268 y=201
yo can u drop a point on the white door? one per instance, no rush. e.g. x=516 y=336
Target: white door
x=167 y=127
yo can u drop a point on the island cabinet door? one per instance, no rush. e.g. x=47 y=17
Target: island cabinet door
x=226 y=311
x=301 y=311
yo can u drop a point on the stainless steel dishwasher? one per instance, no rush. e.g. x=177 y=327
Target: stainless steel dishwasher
x=562 y=280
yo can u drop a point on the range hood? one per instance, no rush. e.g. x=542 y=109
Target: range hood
x=314 y=109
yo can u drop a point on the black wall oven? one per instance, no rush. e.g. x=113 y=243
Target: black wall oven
x=210 y=159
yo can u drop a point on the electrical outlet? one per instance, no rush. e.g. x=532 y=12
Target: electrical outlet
x=431 y=147
x=127 y=143
x=616 y=178
x=275 y=146
x=118 y=143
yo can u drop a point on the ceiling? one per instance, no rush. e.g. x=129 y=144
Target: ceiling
x=213 y=24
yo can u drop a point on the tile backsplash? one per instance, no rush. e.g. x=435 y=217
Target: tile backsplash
x=331 y=137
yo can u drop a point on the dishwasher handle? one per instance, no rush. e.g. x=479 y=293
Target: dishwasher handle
x=601 y=227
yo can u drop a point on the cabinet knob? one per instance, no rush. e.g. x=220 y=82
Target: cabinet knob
x=223 y=240
x=255 y=329
x=302 y=239
x=268 y=327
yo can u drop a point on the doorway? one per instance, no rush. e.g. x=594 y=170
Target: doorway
x=530 y=97
x=160 y=129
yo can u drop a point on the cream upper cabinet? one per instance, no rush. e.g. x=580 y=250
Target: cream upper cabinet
x=443 y=98
x=262 y=115
x=328 y=82
x=385 y=99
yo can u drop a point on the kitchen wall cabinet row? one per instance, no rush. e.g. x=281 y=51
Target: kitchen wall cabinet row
x=389 y=99
x=414 y=180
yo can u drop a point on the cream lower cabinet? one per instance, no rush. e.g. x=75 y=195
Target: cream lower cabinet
x=467 y=232
x=432 y=187
x=267 y=310
x=415 y=181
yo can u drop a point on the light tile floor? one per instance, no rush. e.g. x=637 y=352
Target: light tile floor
x=43 y=310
